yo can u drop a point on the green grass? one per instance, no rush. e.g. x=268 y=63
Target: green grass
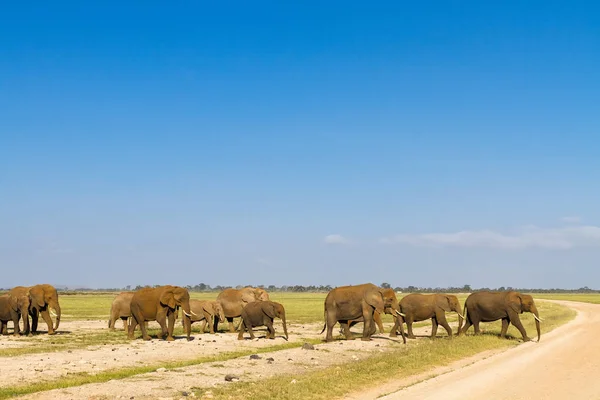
x=418 y=357
x=122 y=373
x=581 y=297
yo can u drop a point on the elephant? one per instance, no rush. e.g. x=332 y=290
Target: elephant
x=419 y=307
x=359 y=303
x=43 y=298
x=205 y=311
x=234 y=300
x=486 y=306
x=12 y=307
x=121 y=308
x=390 y=295
x=160 y=304
x=262 y=313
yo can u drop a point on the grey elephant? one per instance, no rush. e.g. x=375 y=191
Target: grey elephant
x=12 y=308
x=43 y=299
x=120 y=309
x=420 y=307
x=160 y=304
x=359 y=303
x=486 y=306
x=206 y=311
x=234 y=300
x=262 y=313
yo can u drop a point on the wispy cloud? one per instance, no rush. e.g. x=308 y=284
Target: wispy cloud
x=571 y=220
x=335 y=239
x=523 y=238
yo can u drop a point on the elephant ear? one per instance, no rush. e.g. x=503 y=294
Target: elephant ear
x=248 y=296
x=208 y=307
x=13 y=303
x=374 y=298
x=269 y=309
x=37 y=297
x=515 y=302
x=168 y=298
x=443 y=302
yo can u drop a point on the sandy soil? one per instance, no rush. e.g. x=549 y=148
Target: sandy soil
x=564 y=365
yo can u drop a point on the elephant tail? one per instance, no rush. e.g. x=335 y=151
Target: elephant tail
x=325 y=324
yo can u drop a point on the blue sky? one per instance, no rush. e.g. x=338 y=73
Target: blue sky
x=434 y=144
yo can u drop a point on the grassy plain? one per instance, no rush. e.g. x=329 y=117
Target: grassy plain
x=302 y=308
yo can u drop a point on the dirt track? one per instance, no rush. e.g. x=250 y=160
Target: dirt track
x=564 y=365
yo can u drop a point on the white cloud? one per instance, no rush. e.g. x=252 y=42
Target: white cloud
x=335 y=239
x=571 y=220
x=523 y=238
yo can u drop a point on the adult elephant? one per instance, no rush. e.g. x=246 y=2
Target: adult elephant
x=486 y=306
x=12 y=308
x=160 y=304
x=234 y=300
x=358 y=303
x=392 y=304
x=420 y=307
x=43 y=299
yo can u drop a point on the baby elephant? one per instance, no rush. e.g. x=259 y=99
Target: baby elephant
x=206 y=311
x=262 y=313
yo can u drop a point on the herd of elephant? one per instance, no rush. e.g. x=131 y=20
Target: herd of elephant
x=346 y=305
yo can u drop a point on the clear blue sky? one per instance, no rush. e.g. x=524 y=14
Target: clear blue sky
x=435 y=144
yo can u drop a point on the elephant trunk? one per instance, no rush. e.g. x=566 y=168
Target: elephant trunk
x=537 y=321
x=284 y=325
x=56 y=308
x=186 y=318
x=400 y=322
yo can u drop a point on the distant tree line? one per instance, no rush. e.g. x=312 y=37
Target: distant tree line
x=203 y=287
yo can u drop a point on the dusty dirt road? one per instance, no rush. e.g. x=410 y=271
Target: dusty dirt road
x=564 y=365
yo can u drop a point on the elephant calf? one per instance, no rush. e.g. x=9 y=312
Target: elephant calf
x=206 y=311
x=12 y=308
x=262 y=313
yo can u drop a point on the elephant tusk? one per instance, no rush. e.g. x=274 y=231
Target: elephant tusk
x=52 y=313
x=460 y=315
x=538 y=319
x=189 y=315
x=400 y=314
x=193 y=313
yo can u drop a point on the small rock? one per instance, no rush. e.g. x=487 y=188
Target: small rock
x=69 y=351
x=255 y=357
x=38 y=370
x=185 y=394
x=354 y=358
x=231 y=378
x=270 y=359
x=161 y=370
x=293 y=381
x=114 y=349
x=308 y=346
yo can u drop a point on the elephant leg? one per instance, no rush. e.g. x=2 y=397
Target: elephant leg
x=16 y=330
x=242 y=330
x=345 y=329
x=516 y=321
x=46 y=316
x=270 y=329
x=434 y=326
x=203 y=329
x=466 y=326
x=505 y=324
x=368 y=324
x=124 y=323
x=409 y=324
x=231 y=328
x=476 y=327
x=143 y=327
x=171 y=327
x=132 y=324
x=441 y=318
x=331 y=321
x=3 y=328
x=34 y=320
